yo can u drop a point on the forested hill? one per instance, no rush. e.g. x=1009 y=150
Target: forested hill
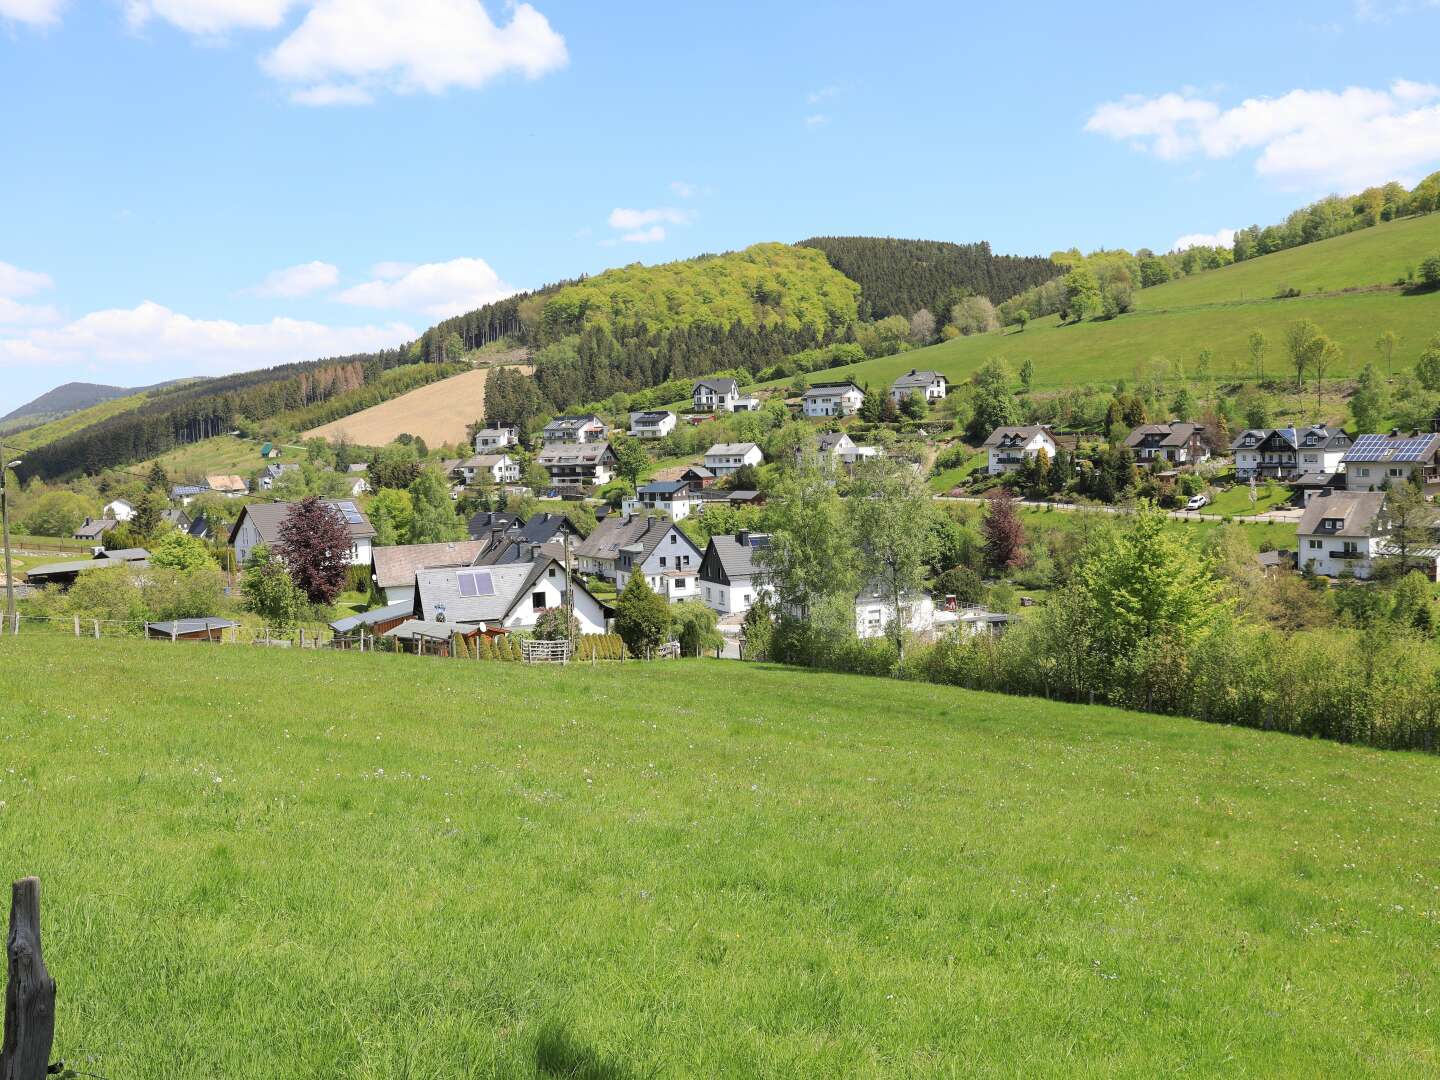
x=901 y=277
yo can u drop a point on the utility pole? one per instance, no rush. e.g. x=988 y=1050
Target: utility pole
x=569 y=589
x=5 y=528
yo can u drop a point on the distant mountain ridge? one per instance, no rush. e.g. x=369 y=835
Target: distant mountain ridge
x=71 y=398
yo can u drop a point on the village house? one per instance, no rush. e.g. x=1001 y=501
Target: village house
x=1343 y=531
x=839 y=448
x=929 y=386
x=574 y=429
x=874 y=612
x=232 y=487
x=599 y=553
x=1177 y=443
x=481 y=525
x=93 y=529
x=730 y=578
x=723 y=459
x=259 y=523
x=393 y=569
x=672 y=498
x=651 y=424
x=1010 y=445
x=185 y=494
x=827 y=399
x=572 y=466
x=510 y=597
x=489 y=468
x=716 y=395
x=490 y=439
x=667 y=559
x=118 y=510
x=1377 y=461
x=274 y=471
x=1283 y=453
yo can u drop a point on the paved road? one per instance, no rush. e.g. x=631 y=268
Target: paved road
x=1288 y=517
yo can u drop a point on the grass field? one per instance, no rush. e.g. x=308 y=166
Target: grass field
x=320 y=865
x=44 y=434
x=223 y=454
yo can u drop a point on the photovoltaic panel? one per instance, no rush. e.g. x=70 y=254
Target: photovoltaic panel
x=1387 y=448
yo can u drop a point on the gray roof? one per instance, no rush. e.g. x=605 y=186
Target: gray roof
x=737 y=559
x=126 y=555
x=60 y=569
x=1175 y=433
x=544 y=527
x=268 y=517
x=486 y=522
x=589 y=453
x=656 y=530
x=731 y=449
x=611 y=535
x=572 y=423
x=184 y=491
x=397 y=566
x=513 y=548
x=829 y=440
x=423 y=628
x=830 y=389
x=719 y=386
x=94 y=527
x=1357 y=511
x=507 y=583
x=180 y=627
x=917 y=380
x=370 y=618
x=665 y=487
x=1386 y=448
x=1016 y=434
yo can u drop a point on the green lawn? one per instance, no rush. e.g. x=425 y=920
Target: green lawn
x=1263 y=535
x=224 y=454
x=942 y=482
x=1236 y=500
x=263 y=863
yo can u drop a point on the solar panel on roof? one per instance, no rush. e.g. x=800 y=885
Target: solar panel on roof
x=476 y=583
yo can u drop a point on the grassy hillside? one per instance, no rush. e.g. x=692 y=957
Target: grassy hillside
x=439 y=413
x=47 y=433
x=376 y=867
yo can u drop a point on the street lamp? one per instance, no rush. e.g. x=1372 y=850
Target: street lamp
x=5 y=529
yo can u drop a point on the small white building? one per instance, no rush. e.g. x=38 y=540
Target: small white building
x=1341 y=531
x=874 y=612
x=730 y=578
x=673 y=498
x=931 y=386
x=668 y=559
x=839 y=447
x=1009 y=446
x=118 y=510
x=723 y=459
x=651 y=424
x=488 y=440
x=494 y=468
x=832 y=399
x=1376 y=460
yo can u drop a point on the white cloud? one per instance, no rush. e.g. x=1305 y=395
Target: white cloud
x=295 y=281
x=815 y=120
x=653 y=235
x=684 y=190
x=210 y=17
x=815 y=97
x=1381 y=11
x=621 y=218
x=436 y=289
x=1305 y=138
x=346 y=50
x=153 y=335
x=1219 y=238
x=32 y=12
x=15 y=282
x=392 y=270
x=14 y=313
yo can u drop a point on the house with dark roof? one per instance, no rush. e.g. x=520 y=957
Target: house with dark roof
x=575 y=429
x=731 y=578
x=1010 y=445
x=259 y=523
x=63 y=574
x=667 y=559
x=572 y=466
x=672 y=498
x=651 y=424
x=1177 y=443
x=274 y=471
x=546 y=528
x=1374 y=462
x=1281 y=453
x=184 y=494
x=376 y=621
x=715 y=395
x=485 y=522
x=94 y=528
x=394 y=568
x=929 y=386
x=510 y=597
x=599 y=553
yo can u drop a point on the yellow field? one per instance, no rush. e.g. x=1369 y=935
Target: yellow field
x=438 y=413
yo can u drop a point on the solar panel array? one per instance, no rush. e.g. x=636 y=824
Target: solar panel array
x=1389 y=448
x=351 y=514
x=476 y=583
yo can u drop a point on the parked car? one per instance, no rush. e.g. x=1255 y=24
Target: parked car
x=1197 y=502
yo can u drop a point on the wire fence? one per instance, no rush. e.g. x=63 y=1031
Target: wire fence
x=232 y=634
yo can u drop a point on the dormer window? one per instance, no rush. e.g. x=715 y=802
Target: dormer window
x=1332 y=524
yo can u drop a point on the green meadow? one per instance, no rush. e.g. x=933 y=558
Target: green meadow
x=271 y=863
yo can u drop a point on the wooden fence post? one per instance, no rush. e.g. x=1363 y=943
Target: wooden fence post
x=30 y=992
x=97 y=628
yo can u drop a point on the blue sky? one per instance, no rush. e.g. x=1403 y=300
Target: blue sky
x=198 y=186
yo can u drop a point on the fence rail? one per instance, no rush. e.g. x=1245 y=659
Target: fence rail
x=545 y=652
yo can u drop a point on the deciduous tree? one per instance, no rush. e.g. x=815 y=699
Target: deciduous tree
x=315 y=547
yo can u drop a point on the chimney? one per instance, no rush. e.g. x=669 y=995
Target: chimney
x=1394 y=432
x=743 y=537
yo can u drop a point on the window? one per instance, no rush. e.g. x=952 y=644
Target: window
x=537 y=601
x=551 y=572
x=1315 y=544
x=672 y=538
x=1397 y=472
x=687 y=560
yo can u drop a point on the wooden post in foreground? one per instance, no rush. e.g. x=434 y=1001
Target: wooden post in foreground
x=30 y=993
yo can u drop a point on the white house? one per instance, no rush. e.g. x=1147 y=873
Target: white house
x=651 y=424
x=588 y=464
x=931 y=386
x=495 y=468
x=723 y=459
x=874 y=612
x=512 y=596
x=1009 y=446
x=259 y=523
x=842 y=449
x=1284 y=452
x=575 y=429
x=1340 y=531
x=490 y=439
x=673 y=498
x=118 y=510
x=357 y=486
x=1377 y=460
x=1176 y=443
x=599 y=553
x=394 y=568
x=832 y=399
x=666 y=557
x=730 y=579
x=716 y=395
